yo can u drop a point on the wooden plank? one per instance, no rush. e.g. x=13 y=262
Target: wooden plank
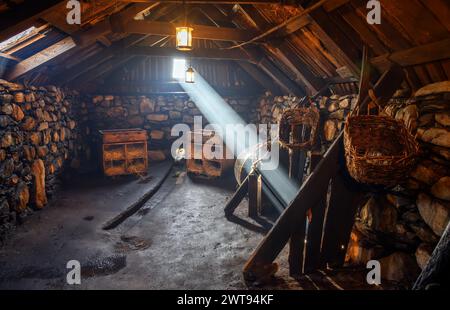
x=441 y=9
x=314 y=235
x=284 y=51
x=254 y=194
x=41 y=57
x=339 y=221
x=99 y=69
x=107 y=25
x=199 y=32
x=237 y=197
x=335 y=40
x=414 y=56
x=386 y=31
x=308 y=196
x=201 y=53
x=363 y=29
x=297 y=247
x=334 y=4
x=315 y=227
x=419 y=23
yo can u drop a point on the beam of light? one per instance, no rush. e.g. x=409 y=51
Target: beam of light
x=219 y=114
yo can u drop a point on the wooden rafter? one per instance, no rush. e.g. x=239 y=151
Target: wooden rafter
x=40 y=58
x=200 y=31
x=414 y=56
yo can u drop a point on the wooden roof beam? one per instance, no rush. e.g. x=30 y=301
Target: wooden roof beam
x=284 y=53
x=107 y=25
x=414 y=56
x=40 y=58
x=200 y=31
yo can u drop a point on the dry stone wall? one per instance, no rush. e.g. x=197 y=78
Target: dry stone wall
x=156 y=114
x=38 y=138
x=402 y=231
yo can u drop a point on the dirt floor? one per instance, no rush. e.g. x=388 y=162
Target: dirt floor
x=178 y=239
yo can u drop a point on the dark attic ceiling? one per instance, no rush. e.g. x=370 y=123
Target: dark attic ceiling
x=285 y=46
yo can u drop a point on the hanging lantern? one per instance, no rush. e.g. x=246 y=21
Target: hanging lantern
x=184 y=38
x=190 y=75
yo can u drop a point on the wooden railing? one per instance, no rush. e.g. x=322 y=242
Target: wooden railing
x=318 y=222
x=321 y=239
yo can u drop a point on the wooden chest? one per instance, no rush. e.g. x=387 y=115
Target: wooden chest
x=124 y=151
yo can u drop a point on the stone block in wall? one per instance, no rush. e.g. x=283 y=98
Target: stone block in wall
x=436 y=136
x=157 y=117
x=146 y=105
x=436 y=213
x=175 y=115
x=135 y=121
x=157 y=134
x=399 y=267
x=441 y=189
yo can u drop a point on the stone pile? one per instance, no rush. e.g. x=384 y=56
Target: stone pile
x=38 y=134
x=156 y=114
x=403 y=231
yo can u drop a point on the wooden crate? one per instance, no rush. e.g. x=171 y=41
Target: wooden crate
x=198 y=164
x=124 y=151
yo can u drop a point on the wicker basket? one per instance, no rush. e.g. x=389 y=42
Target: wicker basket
x=378 y=150
x=304 y=119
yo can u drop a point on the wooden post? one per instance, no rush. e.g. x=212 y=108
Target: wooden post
x=315 y=227
x=234 y=202
x=296 y=248
x=254 y=194
x=339 y=223
x=308 y=196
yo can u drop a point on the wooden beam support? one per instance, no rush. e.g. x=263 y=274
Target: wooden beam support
x=40 y=58
x=200 y=31
x=254 y=194
x=414 y=56
x=202 y=53
x=237 y=197
x=107 y=25
x=308 y=196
